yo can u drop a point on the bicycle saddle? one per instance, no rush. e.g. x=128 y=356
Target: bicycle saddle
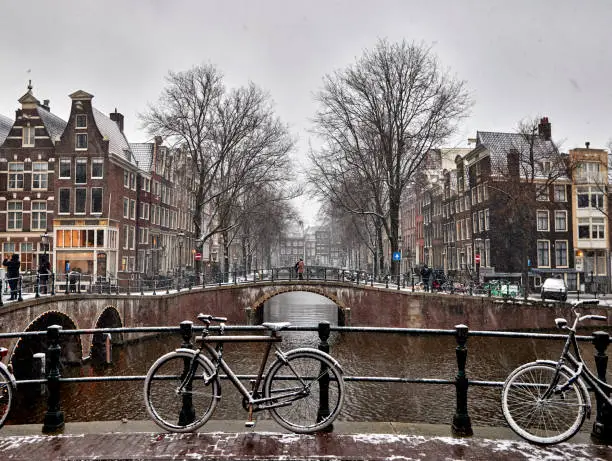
x=276 y=326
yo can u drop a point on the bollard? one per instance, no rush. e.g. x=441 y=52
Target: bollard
x=141 y=286
x=52 y=284
x=412 y=280
x=154 y=285
x=19 y=297
x=602 y=427
x=398 y=282
x=38 y=369
x=324 y=330
x=462 y=426
x=67 y=292
x=108 y=348
x=387 y=281
x=54 y=418
x=37 y=287
x=187 y=414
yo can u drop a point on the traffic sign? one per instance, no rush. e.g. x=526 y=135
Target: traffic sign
x=198 y=256
x=477 y=258
x=397 y=256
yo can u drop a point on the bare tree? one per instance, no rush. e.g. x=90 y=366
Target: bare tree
x=377 y=120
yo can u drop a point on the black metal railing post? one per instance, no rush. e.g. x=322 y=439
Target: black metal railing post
x=79 y=283
x=37 y=288
x=52 y=284
x=462 y=426
x=67 y=292
x=412 y=280
x=602 y=427
x=324 y=330
x=141 y=285
x=1 y=289
x=398 y=282
x=54 y=418
x=154 y=286
x=19 y=297
x=187 y=414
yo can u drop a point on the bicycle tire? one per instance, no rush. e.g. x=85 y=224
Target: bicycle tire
x=6 y=396
x=169 y=409
x=303 y=415
x=542 y=422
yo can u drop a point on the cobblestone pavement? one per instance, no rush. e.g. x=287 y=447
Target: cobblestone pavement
x=283 y=446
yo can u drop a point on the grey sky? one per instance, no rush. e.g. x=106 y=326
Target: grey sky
x=519 y=58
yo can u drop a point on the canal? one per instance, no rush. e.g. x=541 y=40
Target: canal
x=362 y=354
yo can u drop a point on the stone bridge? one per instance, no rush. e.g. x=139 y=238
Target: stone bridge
x=358 y=305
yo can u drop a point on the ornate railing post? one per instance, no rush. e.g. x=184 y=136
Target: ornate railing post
x=37 y=288
x=1 y=289
x=52 y=284
x=19 y=297
x=602 y=427
x=54 y=418
x=67 y=292
x=187 y=414
x=324 y=330
x=462 y=426
x=154 y=286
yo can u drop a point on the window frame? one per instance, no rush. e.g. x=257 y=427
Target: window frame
x=64 y=161
x=564 y=214
x=100 y=162
x=14 y=217
x=80 y=163
x=78 y=144
x=77 y=125
x=540 y=214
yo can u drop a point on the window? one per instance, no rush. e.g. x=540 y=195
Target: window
x=40 y=175
x=39 y=215
x=487 y=219
x=81 y=121
x=81 y=141
x=15 y=215
x=485 y=191
x=80 y=171
x=561 y=221
x=132 y=209
x=64 y=168
x=587 y=171
x=475 y=222
x=543 y=253
x=80 y=200
x=590 y=197
x=15 y=179
x=28 y=135
x=561 y=253
x=591 y=228
x=132 y=236
x=597 y=228
x=481 y=222
x=542 y=219
x=560 y=193
x=144 y=211
x=126 y=207
x=546 y=166
x=126 y=179
x=64 y=200
x=126 y=237
x=542 y=193
x=132 y=181
x=96 y=200
x=97 y=168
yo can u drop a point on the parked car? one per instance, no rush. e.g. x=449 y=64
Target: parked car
x=554 y=288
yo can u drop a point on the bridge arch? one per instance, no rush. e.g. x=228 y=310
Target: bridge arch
x=109 y=318
x=258 y=304
x=26 y=347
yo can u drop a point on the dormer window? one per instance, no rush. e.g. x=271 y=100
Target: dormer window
x=81 y=121
x=81 y=141
x=28 y=136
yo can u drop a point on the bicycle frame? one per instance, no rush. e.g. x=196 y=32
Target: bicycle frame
x=216 y=354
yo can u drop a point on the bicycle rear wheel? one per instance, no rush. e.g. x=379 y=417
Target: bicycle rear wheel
x=298 y=381
x=180 y=411
x=537 y=419
x=6 y=396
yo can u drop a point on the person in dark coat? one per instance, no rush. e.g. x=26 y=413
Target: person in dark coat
x=425 y=274
x=12 y=273
x=44 y=269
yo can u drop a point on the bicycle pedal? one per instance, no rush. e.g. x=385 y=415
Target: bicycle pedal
x=249 y=424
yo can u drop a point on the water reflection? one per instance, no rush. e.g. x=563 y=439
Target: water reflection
x=360 y=354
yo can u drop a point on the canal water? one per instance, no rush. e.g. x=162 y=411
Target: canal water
x=360 y=354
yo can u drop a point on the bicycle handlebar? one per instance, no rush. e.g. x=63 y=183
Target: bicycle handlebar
x=210 y=318
x=584 y=302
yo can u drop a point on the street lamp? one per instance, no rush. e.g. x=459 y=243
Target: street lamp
x=180 y=236
x=303 y=240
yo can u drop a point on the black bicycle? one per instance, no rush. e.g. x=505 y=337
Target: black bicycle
x=303 y=388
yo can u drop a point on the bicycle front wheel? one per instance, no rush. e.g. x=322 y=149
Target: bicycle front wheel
x=176 y=408
x=300 y=383
x=541 y=419
x=6 y=396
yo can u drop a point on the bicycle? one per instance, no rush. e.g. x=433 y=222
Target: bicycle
x=546 y=402
x=182 y=388
x=8 y=385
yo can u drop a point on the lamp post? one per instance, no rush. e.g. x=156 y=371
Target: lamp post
x=180 y=237
x=303 y=240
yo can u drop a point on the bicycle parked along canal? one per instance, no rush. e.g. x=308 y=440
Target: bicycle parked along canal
x=303 y=388
x=545 y=402
x=7 y=387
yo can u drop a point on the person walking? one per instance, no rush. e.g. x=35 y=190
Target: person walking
x=43 y=275
x=425 y=274
x=300 y=269
x=12 y=273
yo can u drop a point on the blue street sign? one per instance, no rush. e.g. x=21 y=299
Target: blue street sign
x=397 y=256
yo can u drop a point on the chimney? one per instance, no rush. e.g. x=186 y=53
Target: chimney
x=45 y=105
x=587 y=144
x=544 y=129
x=117 y=118
x=158 y=140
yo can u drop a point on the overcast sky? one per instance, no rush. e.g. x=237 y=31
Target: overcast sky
x=520 y=59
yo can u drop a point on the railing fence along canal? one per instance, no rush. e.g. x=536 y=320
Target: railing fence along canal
x=460 y=420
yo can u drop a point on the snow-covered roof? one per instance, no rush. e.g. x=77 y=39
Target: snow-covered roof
x=5 y=127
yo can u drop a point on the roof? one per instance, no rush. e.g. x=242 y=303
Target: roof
x=143 y=153
x=5 y=127
x=117 y=142
x=55 y=126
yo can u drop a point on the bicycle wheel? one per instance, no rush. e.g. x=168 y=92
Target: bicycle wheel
x=183 y=411
x=537 y=419
x=298 y=381
x=6 y=396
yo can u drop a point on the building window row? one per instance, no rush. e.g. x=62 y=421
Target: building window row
x=80 y=201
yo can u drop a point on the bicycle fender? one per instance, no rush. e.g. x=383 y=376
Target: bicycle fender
x=579 y=382
x=314 y=351
x=9 y=374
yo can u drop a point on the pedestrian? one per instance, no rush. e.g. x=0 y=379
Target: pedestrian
x=12 y=273
x=300 y=269
x=44 y=269
x=425 y=273
x=74 y=275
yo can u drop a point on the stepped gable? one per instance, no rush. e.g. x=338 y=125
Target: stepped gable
x=143 y=153
x=5 y=127
x=117 y=142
